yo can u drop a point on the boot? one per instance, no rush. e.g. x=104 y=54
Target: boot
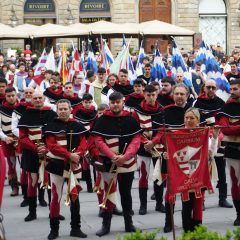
x=106 y=224
x=223 y=196
x=187 y=221
x=32 y=209
x=143 y=201
x=168 y=221
x=153 y=197
x=24 y=203
x=14 y=185
x=196 y=223
x=54 y=225
x=117 y=212
x=158 y=191
x=237 y=206
x=75 y=220
x=41 y=199
x=129 y=227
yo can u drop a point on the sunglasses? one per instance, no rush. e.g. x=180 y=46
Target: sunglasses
x=211 y=87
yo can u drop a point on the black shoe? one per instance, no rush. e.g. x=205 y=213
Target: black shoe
x=237 y=221
x=153 y=197
x=160 y=208
x=225 y=204
x=61 y=217
x=130 y=228
x=43 y=203
x=142 y=210
x=30 y=217
x=117 y=212
x=89 y=189
x=167 y=229
x=53 y=235
x=77 y=233
x=24 y=203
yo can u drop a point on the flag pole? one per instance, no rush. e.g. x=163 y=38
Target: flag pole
x=168 y=178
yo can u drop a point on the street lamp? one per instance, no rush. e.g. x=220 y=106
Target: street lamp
x=13 y=17
x=70 y=17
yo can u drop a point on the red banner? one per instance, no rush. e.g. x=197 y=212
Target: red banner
x=188 y=162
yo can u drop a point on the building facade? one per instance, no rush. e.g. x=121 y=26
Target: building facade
x=218 y=21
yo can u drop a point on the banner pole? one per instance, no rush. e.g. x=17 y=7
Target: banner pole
x=168 y=179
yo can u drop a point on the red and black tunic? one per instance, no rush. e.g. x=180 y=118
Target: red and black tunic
x=52 y=95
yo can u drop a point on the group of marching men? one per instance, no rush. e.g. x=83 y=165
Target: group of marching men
x=56 y=135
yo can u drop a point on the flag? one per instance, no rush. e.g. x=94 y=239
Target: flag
x=64 y=69
x=91 y=61
x=76 y=67
x=50 y=63
x=2 y=174
x=59 y=65
x=106 y=55
x=214 y=72
x=188 y=162
x=75 y=188
x=41 y=63
x=141 y=55
x=178 y=65
x=158 y=69
x=202 y=56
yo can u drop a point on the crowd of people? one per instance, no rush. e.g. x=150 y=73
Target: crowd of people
x=101 y=122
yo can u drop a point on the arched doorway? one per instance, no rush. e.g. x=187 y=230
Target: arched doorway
x=38 y=13
x=155 y=10
x=213 y=22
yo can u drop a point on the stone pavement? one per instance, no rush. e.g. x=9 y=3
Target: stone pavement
x=215 y=218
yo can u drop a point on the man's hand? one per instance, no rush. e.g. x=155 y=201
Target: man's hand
x=41 y=150
x=148 y=146
x=9 y=140
x=74 y=157
x=119 y=160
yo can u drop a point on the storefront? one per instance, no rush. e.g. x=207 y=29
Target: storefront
x=39 y=12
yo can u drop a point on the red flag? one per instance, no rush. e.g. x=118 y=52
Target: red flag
x=76 y=66
x=2 y=174
x=188 y=163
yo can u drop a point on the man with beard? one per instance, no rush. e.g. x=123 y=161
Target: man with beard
x=7 y=137
x=117 y=138
x=63 y=135
x=209 y=105
x=173 y=117
x=165 y=95
x=148 y=112
x=16 y=115
x=3 y=86
x=54 y=92
x=122 y=85
x=33 y=147
x=229 y=116
x=136 y=97
x=70 y=95
x=86 y=114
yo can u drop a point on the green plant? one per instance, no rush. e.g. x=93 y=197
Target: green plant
x=141 y=236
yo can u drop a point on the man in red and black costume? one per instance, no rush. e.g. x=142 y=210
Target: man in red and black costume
x=8 y=141
x=148 y=112
x=117 y=137
x=86 y=114
x=136 y=97
x=172 y=117
x=165 y=96
x=32 y=145
x=70 y=95
x=122 y=85
x=3 y=86
x=55 y=91
x=16 y=115
x=229 y=116
x=65 y=139
x=209 y=104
